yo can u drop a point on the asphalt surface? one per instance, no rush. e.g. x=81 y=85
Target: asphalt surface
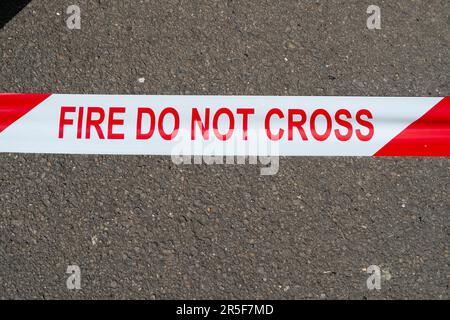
x=143 y=227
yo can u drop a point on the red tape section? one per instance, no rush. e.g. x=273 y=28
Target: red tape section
x=14 y=106
x=427 y=136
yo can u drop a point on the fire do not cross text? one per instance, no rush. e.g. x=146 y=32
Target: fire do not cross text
x=292 y=124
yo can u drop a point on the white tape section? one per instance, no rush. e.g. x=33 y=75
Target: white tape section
x=224 y=125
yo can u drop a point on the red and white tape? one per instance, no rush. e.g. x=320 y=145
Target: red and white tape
x=225 y=125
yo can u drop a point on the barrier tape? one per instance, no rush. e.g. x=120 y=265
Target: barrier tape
x=225 y=125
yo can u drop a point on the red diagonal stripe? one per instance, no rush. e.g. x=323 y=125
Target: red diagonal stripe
x=13 y=106
x=427 y=136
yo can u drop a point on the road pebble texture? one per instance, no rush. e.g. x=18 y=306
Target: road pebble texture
x=143 y=227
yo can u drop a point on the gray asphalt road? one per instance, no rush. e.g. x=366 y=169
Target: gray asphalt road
x=142 y=227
